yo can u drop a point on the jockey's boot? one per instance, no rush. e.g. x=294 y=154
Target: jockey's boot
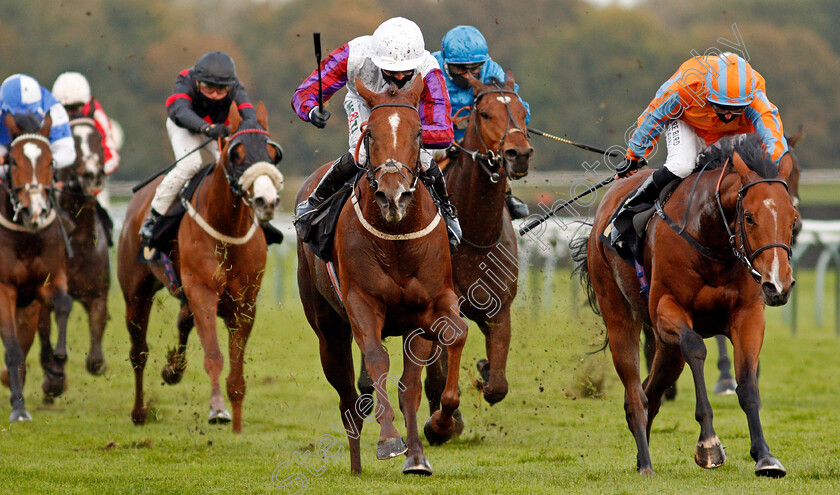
x=642 y=198
x=339 y=173
x=517 y=208
x=148 y=226
x=434 y=181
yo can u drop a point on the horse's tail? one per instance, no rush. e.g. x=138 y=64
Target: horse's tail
x=577 y=246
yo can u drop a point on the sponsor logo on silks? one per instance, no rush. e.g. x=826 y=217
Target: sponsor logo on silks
x=148 y=253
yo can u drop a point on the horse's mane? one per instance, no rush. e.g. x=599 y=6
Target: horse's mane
x=28 y=122
x=749 y=147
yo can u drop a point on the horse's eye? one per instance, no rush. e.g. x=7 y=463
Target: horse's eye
x=485 y=115
x=749 y=219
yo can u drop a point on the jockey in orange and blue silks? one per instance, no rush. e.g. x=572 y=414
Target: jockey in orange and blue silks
x=707 y=98
x=464 y=50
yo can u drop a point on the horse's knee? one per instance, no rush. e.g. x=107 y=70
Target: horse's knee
x=692 y=346
x=62 y=303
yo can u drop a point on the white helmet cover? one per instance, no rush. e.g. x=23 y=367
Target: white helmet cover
x=71 y=88
x=399 y=45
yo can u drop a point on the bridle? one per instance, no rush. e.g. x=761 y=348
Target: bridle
x=738 y=240
x=30 y=187
x=492 y=162
x=75 y=183
x=234 y=174
x=390 y=166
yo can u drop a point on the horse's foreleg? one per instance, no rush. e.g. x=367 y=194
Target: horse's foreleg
x=451 y=331
x=367 y=319
x=14 y=353
x=97 y=309
x=137 y=307
x=204 y=302
x=435 y=379
x=239 y=325
x=747 y=339
x=176 y=359
x=416 y=462
x=497 y=342
x=56 y=295
x=674 y=323
x=665 y=368
x=725 y=384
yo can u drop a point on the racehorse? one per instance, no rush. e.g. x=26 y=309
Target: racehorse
x=394 y=277
x=495 y=149
x=223 y=271
x=711 y=270
x=33 y=251
x=89 y=267
x=725 y=384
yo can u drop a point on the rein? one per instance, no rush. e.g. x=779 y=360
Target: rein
x=390 y=166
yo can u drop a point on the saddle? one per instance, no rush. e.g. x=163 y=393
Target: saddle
x=321 y=224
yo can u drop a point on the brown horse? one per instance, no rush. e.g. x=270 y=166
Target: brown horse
x=89 y=267
x=224 y=269
x=393 y=269
x=495 y=149
x=32 y=248
x=735 y=216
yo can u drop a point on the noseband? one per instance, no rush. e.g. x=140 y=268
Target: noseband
x=738 y=240
x=233 y=176
x=390 y=166
x=30 y=187
x=492 y=159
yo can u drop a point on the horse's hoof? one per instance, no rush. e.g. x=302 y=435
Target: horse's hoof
x=20 y=415
x=648 y=471
x=435 y=438
x=417 y=464
x=770 y=467
x=725 y=386
x=54 y=384
x=138 y=416
x=95 y=367
x=171 y=375
x=459 y=423
x=483 y=366
x=390 y=448
x=711 y=455
x=492 y=397
x=218 y=417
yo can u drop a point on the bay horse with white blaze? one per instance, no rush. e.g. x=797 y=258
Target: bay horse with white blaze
x=33 y=252
x=495 y=149
x=219 y=253
x=391 y=256
x=716 y=253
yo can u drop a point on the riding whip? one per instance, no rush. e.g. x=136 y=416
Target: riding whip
x=169 y=167
x=317 y=39
x=534 y=223
x=579 y=145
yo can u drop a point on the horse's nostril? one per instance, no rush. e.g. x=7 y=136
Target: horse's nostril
x=381 y=197
x=510 y=154
x=259 y=202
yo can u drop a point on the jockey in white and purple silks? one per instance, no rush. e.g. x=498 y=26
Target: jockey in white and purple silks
x=394 y=55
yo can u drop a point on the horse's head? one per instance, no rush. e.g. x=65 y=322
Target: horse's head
x=765 y=217
x=250 y=159
x=498 y=121
x=30 y=175
x=87 y=173
x=392 y=137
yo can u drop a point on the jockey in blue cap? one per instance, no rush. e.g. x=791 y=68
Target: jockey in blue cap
x=22 y=95
x=464 y=50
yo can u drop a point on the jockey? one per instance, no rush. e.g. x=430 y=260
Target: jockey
x=20 y=95
x=707 y=98
x=198 y=109
x=72 y=90
x=464 y=50
x=394 y=55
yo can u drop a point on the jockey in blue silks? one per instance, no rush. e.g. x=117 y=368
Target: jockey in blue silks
x=464 y=50
x=21 y=95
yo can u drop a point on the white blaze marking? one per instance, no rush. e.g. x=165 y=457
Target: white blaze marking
x=504 y=99
x=84 y=133
x=394 y=120
x=33 y=152
x=774 y=268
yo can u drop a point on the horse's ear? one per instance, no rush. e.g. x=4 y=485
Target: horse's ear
x=364 y=92
x=475 y=84
x=509 y=80
x=234 y=117
x=796 y=137
x=262 y=115
x=45 y=127
x=785 y=167
x=14 y=130
x=742 y=168
x=91 y=109
x=416 y=90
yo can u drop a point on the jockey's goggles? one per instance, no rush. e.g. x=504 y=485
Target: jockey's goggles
x=398 y=74
x=213 y=88
x=730 y=109
x=462 y=69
